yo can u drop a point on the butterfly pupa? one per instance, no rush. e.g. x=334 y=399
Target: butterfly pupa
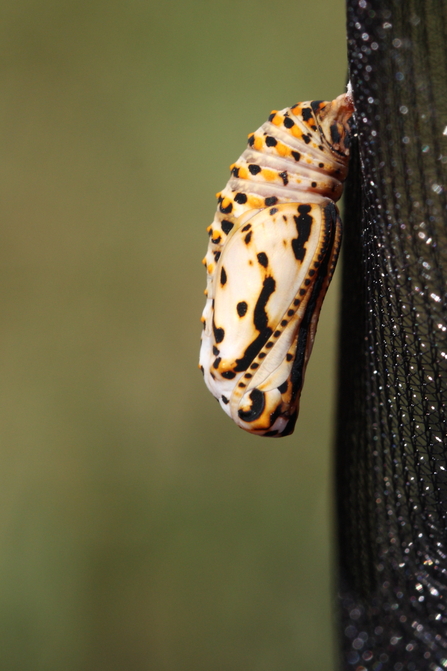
x=273 y=247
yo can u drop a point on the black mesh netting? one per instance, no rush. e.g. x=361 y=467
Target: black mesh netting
x=392 y=415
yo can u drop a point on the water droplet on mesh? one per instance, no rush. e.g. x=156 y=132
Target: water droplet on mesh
x=351 y=631
x=353 y=657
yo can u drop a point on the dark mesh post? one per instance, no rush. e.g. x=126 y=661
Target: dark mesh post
x=392 y=428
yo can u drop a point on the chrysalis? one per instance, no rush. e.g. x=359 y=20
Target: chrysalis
x=273 y=247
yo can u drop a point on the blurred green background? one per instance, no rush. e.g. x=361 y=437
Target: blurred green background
x=140 y=529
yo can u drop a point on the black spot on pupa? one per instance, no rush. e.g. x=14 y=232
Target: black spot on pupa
x=227 y=209
x=296 y=155
x=246 y=228
x=241 y=384
x=273 y=211
x=311 y=273
x=277 y=334
x=257 y=398
x=288 y=122
x=216 y=256
x=306 y=138
x=248 y=238
x=254 y=366
x=224 y=399
x=289 y=356
x=284 y=322
x=219 y=334
x=272 y=116
x=262 y=355
x=303 y=226
x=290 y=313
x=217 y=362
x=260 y=320
x=240 y=198
x=242 y=308
x=335 y=133
x=313 y=185
x=202 y=370
x=272 y=200
x=228 y=375
x=321 y=165
x=216 y=240
x=269 y=345
x=223 y=277
x=254 y=169
x=235 y=172
x=270 y=141
x=215 y=350
x=251 y=141
x=283 y=387
x=263 y=259
x=260 y=315
x=307 y=113
x=315 y=104
x=284 y=177
x=248 y=375
x=296 y=301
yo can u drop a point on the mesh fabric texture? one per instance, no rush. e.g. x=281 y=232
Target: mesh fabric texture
x=392 y=414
